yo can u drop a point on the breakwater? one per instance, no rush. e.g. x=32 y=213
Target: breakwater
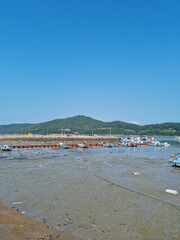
x=72 y=139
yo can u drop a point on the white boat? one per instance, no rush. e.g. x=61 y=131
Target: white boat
x=166 y=144
x=108 y=145
x=82 y=145
x=5 y=148
x=176 y=162
x=63 y=146
x=157 y=143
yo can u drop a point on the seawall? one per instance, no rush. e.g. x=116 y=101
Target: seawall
x=71 y=139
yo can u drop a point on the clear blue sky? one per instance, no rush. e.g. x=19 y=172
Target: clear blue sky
x=110 y=60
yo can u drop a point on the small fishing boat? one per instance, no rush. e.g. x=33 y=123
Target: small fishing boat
x=128 y=144
x=5 y=148
x=175 y=159
x=175 y=155
x=82 y=145
x=176 y=162
x=115 y=145
x=157 y=143
x=64 y=146
x=165 y=144
x=108 y=145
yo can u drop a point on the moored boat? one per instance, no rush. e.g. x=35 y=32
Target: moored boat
x=175 y=155
x=128 y=144
x=176 y=162
x=5 y=148
x=64 y=146
x=175 y=159
x=166 y=144
x=108 y=145
x=82 y=145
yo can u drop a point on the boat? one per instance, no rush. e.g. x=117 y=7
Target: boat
x=115 y=145
x=175 y=155
x=176 y=162
x=166 y=144
x=175 y=159
x=82 y=145
x=5 y=148
x=108 y=145
x=156 y=143
x=128 y=144
x=63 y=146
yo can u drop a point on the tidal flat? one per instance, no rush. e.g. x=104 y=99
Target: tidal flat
x=92 y=192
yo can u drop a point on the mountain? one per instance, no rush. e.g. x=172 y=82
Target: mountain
x=87 y=125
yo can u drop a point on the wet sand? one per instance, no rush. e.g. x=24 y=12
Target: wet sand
x=16 y=226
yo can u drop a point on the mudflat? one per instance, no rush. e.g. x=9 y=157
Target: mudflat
x=92 y=193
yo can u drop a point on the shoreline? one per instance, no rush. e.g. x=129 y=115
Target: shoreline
x=17 y=226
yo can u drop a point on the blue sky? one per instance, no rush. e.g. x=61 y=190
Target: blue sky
x=110 y=60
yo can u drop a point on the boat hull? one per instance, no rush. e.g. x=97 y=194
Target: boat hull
x=6 y=150
x=176 y=162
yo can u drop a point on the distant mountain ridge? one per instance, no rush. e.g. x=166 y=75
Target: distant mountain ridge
x=87 y=125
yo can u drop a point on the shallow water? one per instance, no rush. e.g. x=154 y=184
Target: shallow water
x=92 y=193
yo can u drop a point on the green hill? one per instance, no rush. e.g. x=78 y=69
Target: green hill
x=87 y=125
x=14 y=128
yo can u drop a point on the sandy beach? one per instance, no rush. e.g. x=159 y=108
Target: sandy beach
x=16 y=226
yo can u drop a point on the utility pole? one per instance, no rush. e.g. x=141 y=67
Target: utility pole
x=62 y=130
